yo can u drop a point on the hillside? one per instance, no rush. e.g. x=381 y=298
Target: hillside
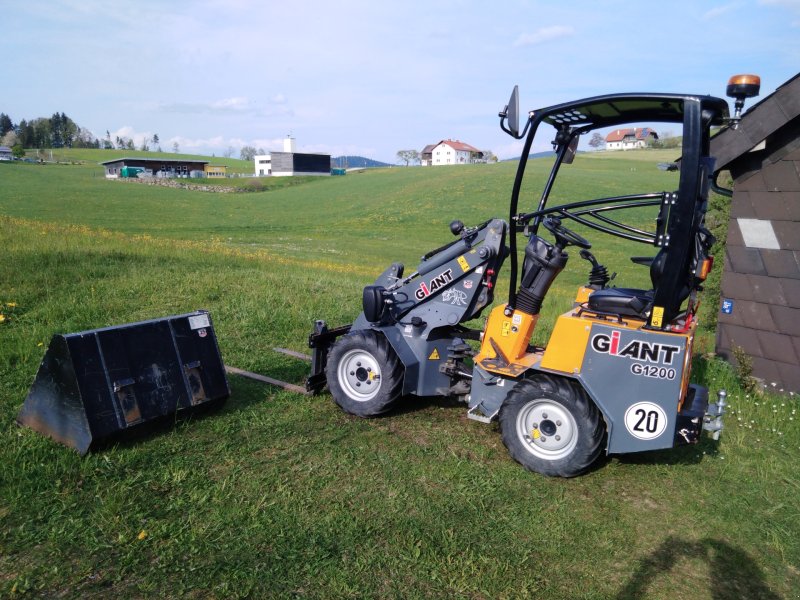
x=276 y=494
x=93 y=156
x=352 y=162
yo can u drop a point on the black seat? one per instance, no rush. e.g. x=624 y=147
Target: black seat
x=630 y=302
x=627 y=302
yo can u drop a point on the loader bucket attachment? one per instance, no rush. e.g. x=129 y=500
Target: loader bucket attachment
x=94 y=385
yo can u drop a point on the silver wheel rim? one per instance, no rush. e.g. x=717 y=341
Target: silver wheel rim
x=547 y=429
x=359 y=375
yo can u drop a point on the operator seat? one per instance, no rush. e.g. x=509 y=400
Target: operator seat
x=631 y=302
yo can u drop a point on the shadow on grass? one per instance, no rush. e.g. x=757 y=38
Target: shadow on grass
x=157 y=427
x=243 y=394
x=680 y=455
x=733 y=573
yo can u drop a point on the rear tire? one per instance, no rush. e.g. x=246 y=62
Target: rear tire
x=550 y=426
x=364 y=374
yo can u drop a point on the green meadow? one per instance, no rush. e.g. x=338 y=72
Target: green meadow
x=282 y=495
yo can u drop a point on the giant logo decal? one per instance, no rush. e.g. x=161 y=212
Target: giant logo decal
x=635 y=350
x=426 y=289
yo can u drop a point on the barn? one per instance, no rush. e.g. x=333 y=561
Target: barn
x=156 y=167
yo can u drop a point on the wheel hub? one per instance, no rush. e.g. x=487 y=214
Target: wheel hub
x=359 y=375
x=547 y=429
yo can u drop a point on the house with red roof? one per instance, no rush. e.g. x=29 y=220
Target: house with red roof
x=450 y=152
x=630 y=139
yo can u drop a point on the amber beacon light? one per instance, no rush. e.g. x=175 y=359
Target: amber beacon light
x=742 y=87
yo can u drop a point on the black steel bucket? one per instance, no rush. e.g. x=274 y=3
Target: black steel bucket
x=94 y=384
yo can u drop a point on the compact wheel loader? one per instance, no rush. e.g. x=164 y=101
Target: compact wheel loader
x=615 y=374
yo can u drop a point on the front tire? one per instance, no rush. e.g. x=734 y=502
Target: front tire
x=550 y=426
x=364 y=374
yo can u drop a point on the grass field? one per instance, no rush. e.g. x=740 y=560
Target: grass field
x=280 y=495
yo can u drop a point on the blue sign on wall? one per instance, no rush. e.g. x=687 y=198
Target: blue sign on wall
x=727 y=306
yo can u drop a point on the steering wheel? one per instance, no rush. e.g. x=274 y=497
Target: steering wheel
x=564 y=237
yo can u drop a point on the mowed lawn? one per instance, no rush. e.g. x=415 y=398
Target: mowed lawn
x=282 y=495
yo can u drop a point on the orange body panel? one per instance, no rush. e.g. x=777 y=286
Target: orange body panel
x=510 y=335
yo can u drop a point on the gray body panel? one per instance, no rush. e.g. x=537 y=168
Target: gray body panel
x=635 y=372
x=449 y=288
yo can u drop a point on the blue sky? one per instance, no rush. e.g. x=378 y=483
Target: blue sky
x=367 y=78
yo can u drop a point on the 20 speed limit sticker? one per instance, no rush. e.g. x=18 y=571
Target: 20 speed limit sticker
x=645 y=420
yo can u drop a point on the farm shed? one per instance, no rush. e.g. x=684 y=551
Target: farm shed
x=760 y=309
x=157 y=167
x=216 y=170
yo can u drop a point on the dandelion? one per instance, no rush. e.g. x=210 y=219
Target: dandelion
x=142 y=535
x=11 y=304
x=40 y=344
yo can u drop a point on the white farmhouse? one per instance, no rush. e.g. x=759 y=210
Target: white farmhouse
x=450 y=152
x=630 y=139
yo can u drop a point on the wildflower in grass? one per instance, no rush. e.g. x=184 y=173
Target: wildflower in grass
x=2 y=317
x=11 y=304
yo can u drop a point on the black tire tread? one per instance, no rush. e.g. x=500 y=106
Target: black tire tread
x=391 y=374
x=589 y=420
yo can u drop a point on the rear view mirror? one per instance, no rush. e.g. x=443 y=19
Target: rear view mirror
x=511 y=113
x=572 y=149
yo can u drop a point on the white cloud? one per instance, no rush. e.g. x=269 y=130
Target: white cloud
x=718 y=11
x=130 y=133
x=238 y=103
x=544 y=34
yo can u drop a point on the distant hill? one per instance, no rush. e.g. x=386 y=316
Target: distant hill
x=349 y=162
x=544 y=154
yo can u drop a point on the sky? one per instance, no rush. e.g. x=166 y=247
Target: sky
x=367 y=78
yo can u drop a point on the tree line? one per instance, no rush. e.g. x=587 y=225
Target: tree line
x=60 y=131
x=57 y=131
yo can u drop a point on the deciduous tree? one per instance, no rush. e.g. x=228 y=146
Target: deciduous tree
x=247 y=153
x=408 y=156
x=597 y=141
